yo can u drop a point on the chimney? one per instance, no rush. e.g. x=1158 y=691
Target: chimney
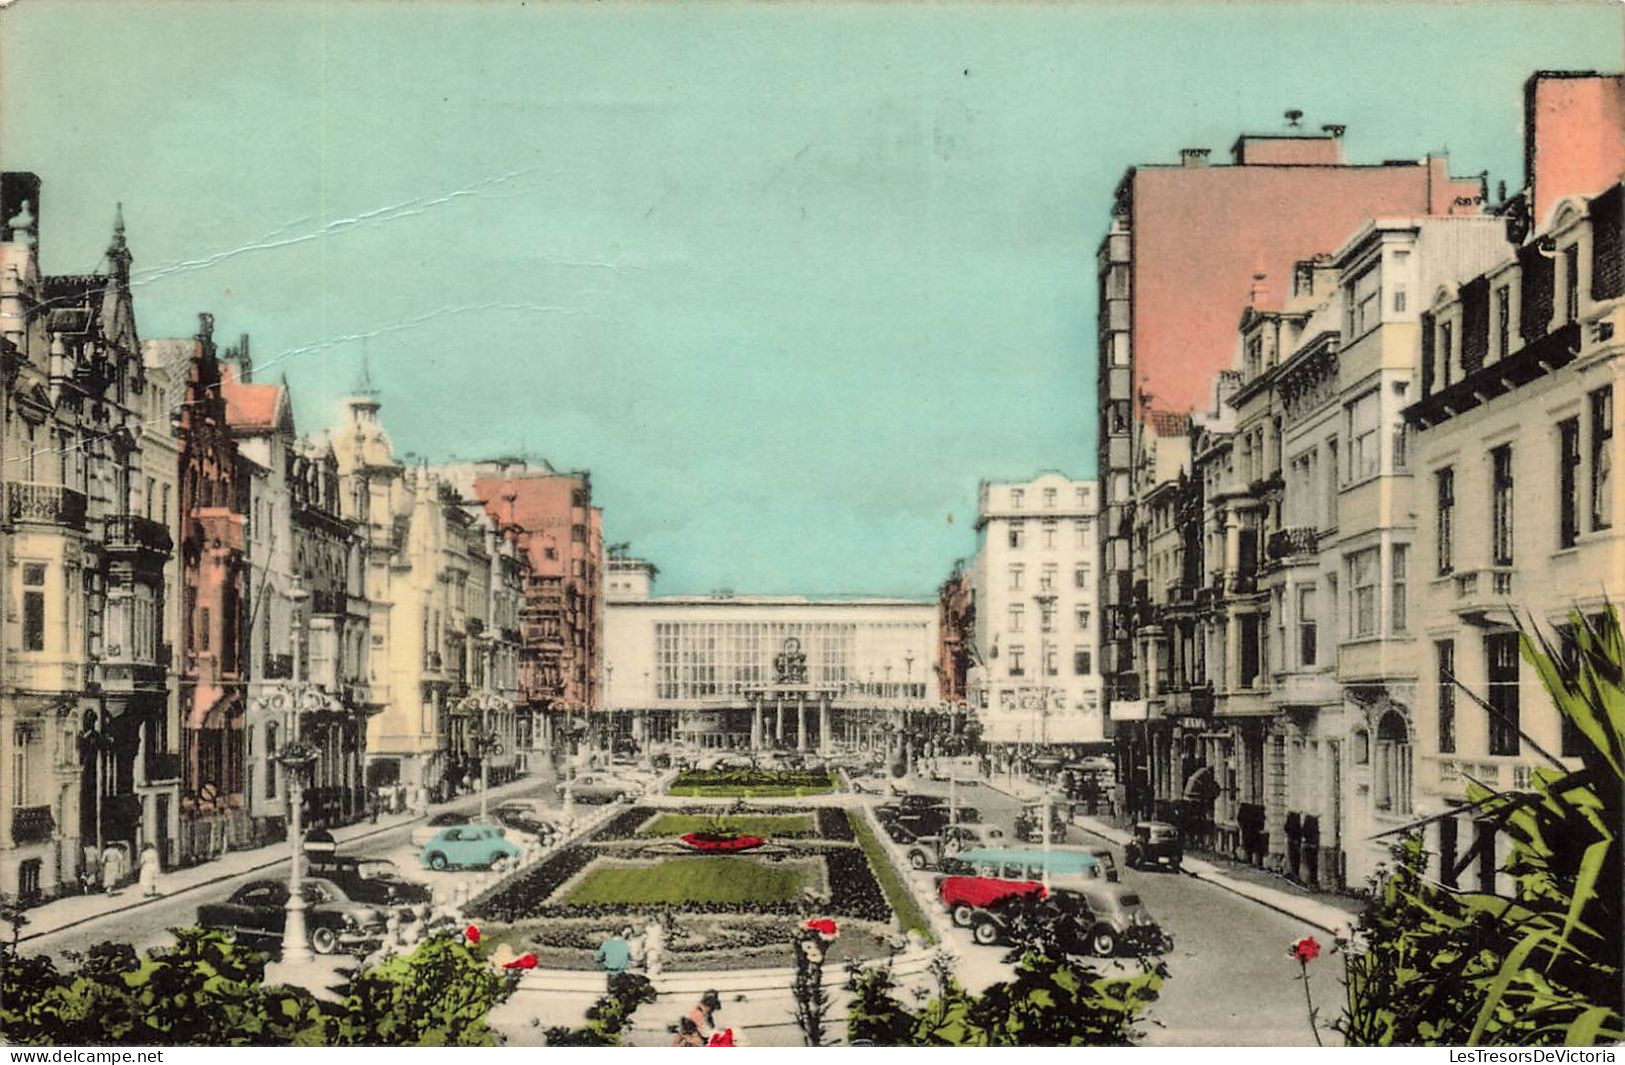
x=1333 y=129
x=1294 y=119
x=1193 y=157
x=1260 y=291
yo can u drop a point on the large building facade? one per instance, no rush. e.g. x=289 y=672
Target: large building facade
x=1036 y=625
x=753 y=672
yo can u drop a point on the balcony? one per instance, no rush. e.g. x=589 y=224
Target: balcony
x=1292 y=543
x=328 y=602
x=133 y=534
x=1240 y=582
x=32 y=824
x=1482 y=590
x=44 y=504
x=162 y=767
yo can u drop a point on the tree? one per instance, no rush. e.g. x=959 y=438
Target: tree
x=608 y=1017
x=439 y=995
x=1540 y=966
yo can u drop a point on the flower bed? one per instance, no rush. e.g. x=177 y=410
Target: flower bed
x=897 y=894
x=770 y=826
x=833 y=825
x=682 y=882
x=761 y=783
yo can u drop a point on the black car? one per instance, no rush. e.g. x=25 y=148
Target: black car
x=1156 y=844
x=257 y=911
x=373 y=880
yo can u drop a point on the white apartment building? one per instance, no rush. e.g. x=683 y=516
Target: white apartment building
x=1036 y=628
x=1520 y=511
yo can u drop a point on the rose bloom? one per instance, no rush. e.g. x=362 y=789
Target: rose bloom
x=1305 y=950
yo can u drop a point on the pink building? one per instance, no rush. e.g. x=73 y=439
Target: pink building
x=1572 y=123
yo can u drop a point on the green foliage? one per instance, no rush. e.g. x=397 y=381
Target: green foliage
x=1539 y=967
x=768 y=826
x=760 y=783
x=811 y=998
x=609 y=1016
x=208 y=991
x=898 y=895
x=1054 y=1000
x=692 y=879
x=439 y=995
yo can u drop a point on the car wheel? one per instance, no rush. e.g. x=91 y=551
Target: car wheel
x=620 y=796
x=1103 y=941
x=324 y=940
x=437 y=861
x=497 y=859
x=916 y=860
x=985 y=932
x=962 y=915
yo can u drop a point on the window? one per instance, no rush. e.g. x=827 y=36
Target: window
x=1080 y=662
x=1049 y=497
x=1083 y=618
x=33 y=606
x=1572 y=740
x=203 y=629
x=1254 y=358
x=1501 y=505
x=1402 y=446
x=1363 y=447
x=1080 y=575
x=270 y=760
x=1399 y=561
x=1391 y=790
x=1602 y=458
x=1018 y=575
x=1018 y=657
x=1363 y=303
x=1051 y=661
x=1046 y=613
x=1568 y=480
x=1046 y=578
x=1083 y=495
x=1308 y=622
x=1444 y=483
x=1331 y=483
x=1018 y=534
x=1503 y=321
x=1571 y=283
x=1446 y=337
x=21 y=737
x=1445 y=652
x=1363 y=593
x=1016 y=496
x=1049 y=534
x=1399 y=299
x=1018 y=616
x=1080 y=533
x=1501 y=656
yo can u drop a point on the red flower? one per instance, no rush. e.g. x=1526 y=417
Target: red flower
x=524 y=961
x=823 y=926
x=472 y=934
x=1305 y=950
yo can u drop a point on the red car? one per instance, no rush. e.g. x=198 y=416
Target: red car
x=964 y=895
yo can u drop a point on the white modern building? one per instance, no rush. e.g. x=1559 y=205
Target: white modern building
x=742 y=671
x=1037 y=630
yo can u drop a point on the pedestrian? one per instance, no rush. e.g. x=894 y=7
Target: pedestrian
x=704 y=1013
x=149 y=872
x=614 y=954
x=688 y=1034
x=637 y=947
x=111 y=871
x=654 y=947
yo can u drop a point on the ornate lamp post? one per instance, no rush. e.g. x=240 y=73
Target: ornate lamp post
x=296 y=757
x=483 y=740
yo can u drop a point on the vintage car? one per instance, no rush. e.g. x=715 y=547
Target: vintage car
x=466 y=846
x=599 y=787
x=426 y=831
x=376 y=881
x=257 y=912
x=527 y=816
x=995 y=875
x=928 y=852
x=1156 y=845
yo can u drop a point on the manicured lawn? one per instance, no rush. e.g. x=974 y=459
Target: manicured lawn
x=749 y=783
x=769 y=826
x=897 y=893
x=724 y=880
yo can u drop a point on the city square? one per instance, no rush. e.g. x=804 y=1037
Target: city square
x=1011 y=538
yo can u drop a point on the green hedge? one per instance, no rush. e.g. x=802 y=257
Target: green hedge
x=897 y=893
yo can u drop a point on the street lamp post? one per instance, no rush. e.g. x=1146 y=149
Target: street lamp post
x=483 y=741
x=295 y=757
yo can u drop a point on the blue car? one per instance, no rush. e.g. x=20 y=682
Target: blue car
x=466 y=846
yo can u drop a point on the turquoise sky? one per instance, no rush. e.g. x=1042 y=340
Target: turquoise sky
x=788 y=279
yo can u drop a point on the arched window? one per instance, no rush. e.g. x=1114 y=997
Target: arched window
x=1391 y=788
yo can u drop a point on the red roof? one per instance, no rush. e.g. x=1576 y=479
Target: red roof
x=249 y=406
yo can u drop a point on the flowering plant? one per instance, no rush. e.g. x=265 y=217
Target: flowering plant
x=1303 y=952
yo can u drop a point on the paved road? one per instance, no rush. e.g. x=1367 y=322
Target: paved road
x=148 y=926
x=1230 y=981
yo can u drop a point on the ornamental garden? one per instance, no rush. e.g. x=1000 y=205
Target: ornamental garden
x=732 y=885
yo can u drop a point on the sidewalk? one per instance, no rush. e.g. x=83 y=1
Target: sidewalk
x=61 y=914
x=1329 y=913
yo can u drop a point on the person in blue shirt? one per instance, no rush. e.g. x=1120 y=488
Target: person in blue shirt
x=615 y=953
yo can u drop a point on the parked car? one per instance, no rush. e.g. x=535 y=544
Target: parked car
x=466 y=846
x=257 y=912
x=996 y=874
x=376 y=881
x=914 y=821
x=1099 y=852
x=599 y=787
x=1156 y=845
x=421 y=834
x=928 y=852
x=527 y=816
